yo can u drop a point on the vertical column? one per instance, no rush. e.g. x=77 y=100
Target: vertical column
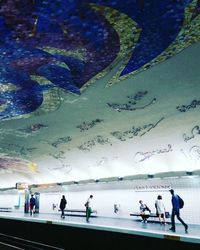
x=26 y=200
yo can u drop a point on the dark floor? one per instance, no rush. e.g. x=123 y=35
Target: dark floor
x=132 y=227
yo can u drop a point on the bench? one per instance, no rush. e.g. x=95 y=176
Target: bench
x=151 y=215
x=78 y=212
x=5 y=209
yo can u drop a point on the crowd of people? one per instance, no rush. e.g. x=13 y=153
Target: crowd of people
x=145 y=211
x=161 y=211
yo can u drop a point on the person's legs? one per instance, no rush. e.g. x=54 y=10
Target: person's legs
x=181 y=220
x=146 y=217
x=164 y=219
x=173 y=221
x=143 y=217
x=160 y=218
x=62 y=213
x=87 y=214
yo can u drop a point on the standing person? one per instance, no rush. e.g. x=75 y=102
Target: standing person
x=144 y=211
x=176 y=211
x=63 y=203
x=160 y=209
x=53 y=206
x=32 y=204
x=88 y=207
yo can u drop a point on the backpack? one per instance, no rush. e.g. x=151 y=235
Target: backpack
x=181 y=202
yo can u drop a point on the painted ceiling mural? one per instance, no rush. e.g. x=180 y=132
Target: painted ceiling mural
x=72 y=103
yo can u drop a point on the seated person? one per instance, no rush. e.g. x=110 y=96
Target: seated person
x=144 y=211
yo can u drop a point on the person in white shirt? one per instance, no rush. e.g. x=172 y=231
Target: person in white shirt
x=144 y=211
x=160 y=209
x=88 y=207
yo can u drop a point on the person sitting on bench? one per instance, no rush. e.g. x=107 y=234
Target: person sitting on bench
x=144 y=211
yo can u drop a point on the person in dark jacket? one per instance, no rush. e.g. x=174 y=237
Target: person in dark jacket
x=32 y=204
x=176 y=211
x=63 y=203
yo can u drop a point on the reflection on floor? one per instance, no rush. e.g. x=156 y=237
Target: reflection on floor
x=128 y=226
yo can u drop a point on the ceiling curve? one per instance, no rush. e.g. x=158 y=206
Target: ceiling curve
x=95 y=89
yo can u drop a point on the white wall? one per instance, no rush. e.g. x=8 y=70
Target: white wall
x=125 y=193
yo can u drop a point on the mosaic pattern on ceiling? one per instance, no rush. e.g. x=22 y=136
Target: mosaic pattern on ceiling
x=135 y=131
x=59 y=141
x=49 y=47
x=64 y=142
x=195 y=131
x=16 y=150
x=64 y=168
x=195 y=152
x=14 y=165
x=132 y=101
x=142 y=156
x=87 y=146
x=184 y=108
x=84 y=126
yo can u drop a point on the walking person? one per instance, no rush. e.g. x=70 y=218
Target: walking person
x=176 y=211
x=63 y=203
x=88 y=208
x=32 y=204
x=160 y=209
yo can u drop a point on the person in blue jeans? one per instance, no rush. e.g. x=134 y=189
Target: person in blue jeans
x=176 y=212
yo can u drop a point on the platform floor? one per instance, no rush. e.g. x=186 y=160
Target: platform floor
x=128 y=226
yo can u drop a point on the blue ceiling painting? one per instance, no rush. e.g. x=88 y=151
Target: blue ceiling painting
x=55 y=56
x=64 y=44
